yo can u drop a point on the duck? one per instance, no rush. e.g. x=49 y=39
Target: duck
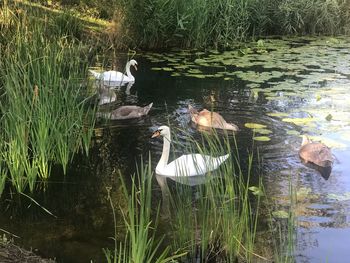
x=127 y=112
x=186 y=165
x=115 y=78
x=210 y=119
x=316 y=153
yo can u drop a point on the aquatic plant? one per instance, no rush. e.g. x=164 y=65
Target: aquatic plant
x=45 y=118
x=220 y=23
x=140 y=243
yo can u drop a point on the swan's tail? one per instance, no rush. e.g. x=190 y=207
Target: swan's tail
x=95 y=74
x=231 y=126
x=147 y=108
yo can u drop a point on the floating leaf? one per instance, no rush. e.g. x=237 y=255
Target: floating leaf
x=252 y=125
x=280 y=214
x=293 y=132
x=329 y=117
x=256 y=190
x=277 y=114
x=262 y=131
x=340 y=197
x=299 y=121
x=261 y=138
x=156 y=68
x=167 y=69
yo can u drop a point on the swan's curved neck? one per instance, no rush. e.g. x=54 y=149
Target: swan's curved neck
x=165 y=154
x=128 y=72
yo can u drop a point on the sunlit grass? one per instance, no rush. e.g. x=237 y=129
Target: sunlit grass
x=45 y=118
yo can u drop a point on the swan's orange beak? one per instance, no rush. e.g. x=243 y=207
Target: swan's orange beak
x=156 y=134
x=135 y=66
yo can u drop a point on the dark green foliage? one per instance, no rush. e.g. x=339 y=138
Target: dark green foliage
x=219 y=23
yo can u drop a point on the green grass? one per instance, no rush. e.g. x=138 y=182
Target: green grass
x=45 y=117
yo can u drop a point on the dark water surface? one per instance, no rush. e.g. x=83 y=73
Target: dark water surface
x=313 y=82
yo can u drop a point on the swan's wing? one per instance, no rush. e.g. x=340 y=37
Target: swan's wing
x=211 y=119
x=126 y=112
x=115 y=76
x=193 y=164
x=317 y=153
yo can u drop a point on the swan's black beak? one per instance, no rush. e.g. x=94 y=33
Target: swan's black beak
x=156 y=134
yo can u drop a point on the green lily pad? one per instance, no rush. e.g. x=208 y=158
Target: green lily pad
x=167 y=69
x=261 y=138
x=252 y=125
x=256 y=190
x=293 y=132
x=280 y=214
x=156 y=68
x=262 y=131
x=277 y=114
x=299 y=121
x=340 y=197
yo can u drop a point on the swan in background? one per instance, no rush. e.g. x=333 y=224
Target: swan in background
x=186 y=165
x=115 y=78
x=126 y=112
x=316 y=153
x=210 y=119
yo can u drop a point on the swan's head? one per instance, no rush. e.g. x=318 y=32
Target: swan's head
x=161 y=131
x=133 y=63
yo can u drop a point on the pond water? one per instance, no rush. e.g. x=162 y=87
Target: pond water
x=292 y=86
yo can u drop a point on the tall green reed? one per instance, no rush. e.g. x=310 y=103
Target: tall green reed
x=140 y=243
x=45 y=118
x=216 y=219
x=220 y=23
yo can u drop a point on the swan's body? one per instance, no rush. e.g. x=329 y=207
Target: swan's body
x=128 y=112
x=316 y=153
x=186 y=165
x=115 y=78
x=210 y=119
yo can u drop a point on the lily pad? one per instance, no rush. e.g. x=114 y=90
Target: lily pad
x=340 y=197
x=277 y=114
x=262 y=131
x=280 y=214
x=261 y=138
x=167 y=69
x=299 y=121
x=293 y=132
x=256 y=190
x=252 y=125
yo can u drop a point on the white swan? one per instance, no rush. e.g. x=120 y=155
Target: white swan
x=113 y=78
x=186 y=165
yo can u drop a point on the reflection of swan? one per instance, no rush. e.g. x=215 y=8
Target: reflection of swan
x=127 y=112
x=128 y=88
x=106 y=95
x=114 y=78
x=316 y=153
x=210 y=119
x=186 y=165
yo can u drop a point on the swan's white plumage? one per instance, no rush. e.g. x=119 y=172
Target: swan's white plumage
x=191 y=165
x=186 y=165
x=112 y=77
